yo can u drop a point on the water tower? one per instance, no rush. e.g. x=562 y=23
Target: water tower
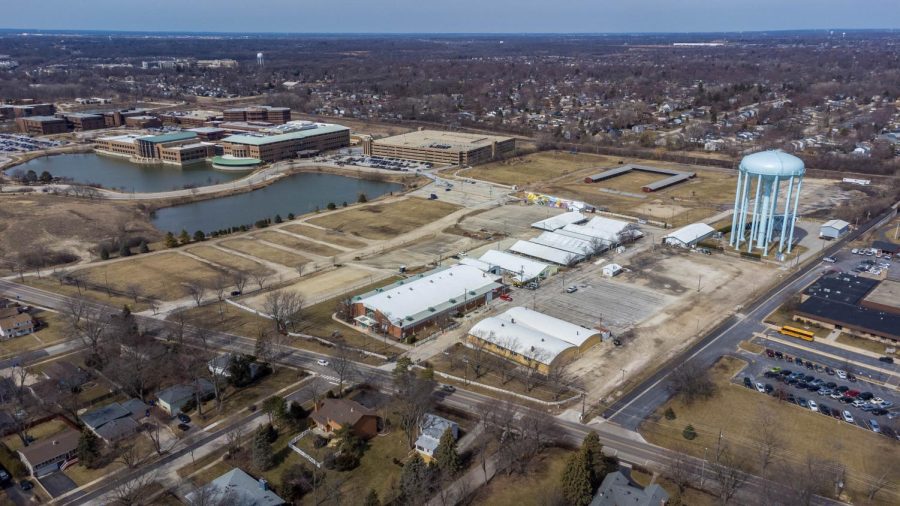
x=762 y=175
x=259 y=59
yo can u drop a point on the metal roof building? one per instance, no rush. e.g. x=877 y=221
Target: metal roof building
x=567 y=243
x=521 y=268
x=689 y=235
x=559 y=221
x=547 y=253
x=833 y=229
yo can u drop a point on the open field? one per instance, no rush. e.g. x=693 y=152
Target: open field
x=539 y=485
x=97 y=293
x=537 y=167
x=329 y=236
x=226 y=260
x=298 y=244
x=264 y=252
x=388 y=220
x=803 y=433
x=162 y=276
x=321 y=285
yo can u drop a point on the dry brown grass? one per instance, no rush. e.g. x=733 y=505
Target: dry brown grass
x=299 y=244
x=385 y=221
x=265 y=252
x=733 y=411
x=98 y=293
x=538 y=167
x=751 y=347
x=227 y=260
x=329 y=236
x=162 y=276
x=862 y=343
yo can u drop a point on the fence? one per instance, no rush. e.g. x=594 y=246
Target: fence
x=302 y=453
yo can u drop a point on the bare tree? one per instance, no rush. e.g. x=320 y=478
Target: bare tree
x=532 y=374
x=413 y=398
x=239 y=279
x=804 y=480
x=220 y=286
x=197 y=291
x=769 y=441
x=681 y=470
x=234 y=438
x=134 y=291
x=730 y=471
x=129 y=454
x=261 y=277
x=692 y=382
x=282 y=306
x=559 y=377
x=343 y=364
x=134 y=491
x=479 y=354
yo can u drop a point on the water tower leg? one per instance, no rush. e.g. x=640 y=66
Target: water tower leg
x=745 y=203
x=784 y=219
x=794 y=216
x=734 y=216
x=770 y=226
x=755 y=225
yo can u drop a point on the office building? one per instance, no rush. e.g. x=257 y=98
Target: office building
x=42 y=125
x=441 y=148
x=276 y=115
x=292 y=138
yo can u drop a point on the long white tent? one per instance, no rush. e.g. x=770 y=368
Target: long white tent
x=567 y=243
x=560 y=221
x=523 y=269
x=547 y=253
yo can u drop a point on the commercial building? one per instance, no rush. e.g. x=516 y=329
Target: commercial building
x=41 y=125
x=190 y=119
x=143 y=121
x=833 y=229
x=414 y=304
x=520 y=269
x=177 y=148
x=603 y=231
x=441 y=148
x=689 y=236
x=9 y=111
x=47 y=455
x=559 y=221
x=856 y=305
x=276 y=115
x=120 y=117
x=208 y=134
x=532 y=339
x=81 y=121
x=297 y=136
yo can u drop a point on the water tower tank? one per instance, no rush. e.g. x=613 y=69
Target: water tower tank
x=762 y=175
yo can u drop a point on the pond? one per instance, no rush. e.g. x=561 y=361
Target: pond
x=298 y=194
x=120 y=174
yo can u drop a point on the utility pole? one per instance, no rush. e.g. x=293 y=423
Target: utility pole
x=703 y=467
x=582 y=406
x=699 y=277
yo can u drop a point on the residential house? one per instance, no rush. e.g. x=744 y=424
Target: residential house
x=236 y=487
x=432 y=429
x=618 y=490
x=172 y=399
x=219 y=366
x=16 y=324
x=49 y=454
x=65 y=375
x=332 y=415
x=115 y=421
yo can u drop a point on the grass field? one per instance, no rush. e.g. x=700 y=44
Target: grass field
x=734 y=411
x=329 y=236
x=539 y=484
x=863 y=344
x=538 y=167
x=98 y=294
x=227 y=260
x=298 y=244
x=385 y=221
x=161 y=276
x=264 y=252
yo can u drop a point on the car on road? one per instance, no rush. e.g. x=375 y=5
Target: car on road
x=26 y=485
x=873 y=424
x=183 y=418
x=830 y=260
x=813 y=406
x=448 y=388
x=847 y=416
x=886 y=360
x=184 y=427
x=322 y=362
x=572 y=289
x=760 y=388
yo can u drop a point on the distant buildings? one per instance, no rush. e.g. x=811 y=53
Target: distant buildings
x=443 y=148
x=276 y=115
x=42 y=125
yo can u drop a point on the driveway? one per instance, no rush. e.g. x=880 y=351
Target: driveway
x=57 y=484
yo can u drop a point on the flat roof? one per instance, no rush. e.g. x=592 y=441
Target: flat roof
x=169 y=137
x=232 y=161
x=525 y=268
x=42 y=119
x=838 y=224
x=253 y=140
x=559 y=221
x=548 y=253
x=447 y=141
x=120 y=138
x=415 y=299
x=854 y=316
x=887 y=293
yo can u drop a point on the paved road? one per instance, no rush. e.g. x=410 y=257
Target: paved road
x=632 y=408
x=629 y=448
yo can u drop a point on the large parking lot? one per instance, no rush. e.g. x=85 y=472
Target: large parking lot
x=808 y=381
x=12 y=143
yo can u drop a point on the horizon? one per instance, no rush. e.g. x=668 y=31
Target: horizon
x=408 y=17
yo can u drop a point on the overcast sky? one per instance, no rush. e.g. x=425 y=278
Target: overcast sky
x=448 y=16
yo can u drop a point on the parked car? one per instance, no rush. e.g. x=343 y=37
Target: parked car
x=858 y=403
x=847 y=416
x=770 y=353
x=813 y=406
x=887 y=360
x=769 y=388
x=748 y=382
x=825 y=410
x=873 y=424
x=4 y=476
x=841 y=373
x=322 y=362
x=26 y=485
x=506 y=297
x=760 y=388
x=572 y=289
x=866 y=396
x=803 y=402
x=235 y=293
x=829 y=371
x=184 y=427
x=183 y=418
x=878 y=411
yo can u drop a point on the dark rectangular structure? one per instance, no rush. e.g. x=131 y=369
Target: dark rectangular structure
x=838 y=302
x=675 y=176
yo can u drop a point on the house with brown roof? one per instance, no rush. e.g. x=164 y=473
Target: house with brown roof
x=47 y=455
x=16 y=325
x=331 y=415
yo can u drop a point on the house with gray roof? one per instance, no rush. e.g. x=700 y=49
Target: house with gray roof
x=115 y=421
x=236 y=487
x=173 y=399
x=618 y=490
x=432 y=428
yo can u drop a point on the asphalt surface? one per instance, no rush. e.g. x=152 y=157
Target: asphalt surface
x=633 y=407
x=627 y=448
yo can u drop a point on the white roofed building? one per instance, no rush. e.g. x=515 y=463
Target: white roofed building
x=410 y=305
x=570 y=244
x=833 y=229
x=610 y=232
x=531 y=338
x=560 y=221
x=521 y=269
x=550 y=254
x=689 y=236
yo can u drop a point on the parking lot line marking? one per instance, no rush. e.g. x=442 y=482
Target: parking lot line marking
x=834 y=357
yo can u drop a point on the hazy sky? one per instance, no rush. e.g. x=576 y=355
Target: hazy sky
x=435 y=16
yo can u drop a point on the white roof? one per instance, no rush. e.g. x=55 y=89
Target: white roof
x=399 y=301
x=535 y=335
x=559 y=221
x=838 y=224
x=474 y=262
x=525 y=268
x=691 y=233
x=565 y=243
x=605 y=229
x=554 y=255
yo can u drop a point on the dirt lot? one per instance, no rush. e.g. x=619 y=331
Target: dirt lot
x=323 y=285
x=226 y=260
x=536 y=167
x=259 y=250
x=388 y=220
x=802 y=432
x=298 y=244
x=65 y=224
x=161 y=276
x=329 y=236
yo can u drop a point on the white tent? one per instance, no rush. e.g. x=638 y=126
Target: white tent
x=523 y=269
x=547 y=253
x=567 y=243
x=559 y=221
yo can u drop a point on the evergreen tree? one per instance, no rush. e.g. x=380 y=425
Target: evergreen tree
x=124 y=250
x=331 y=206
x=104 y=253
x=199 y=236
x=362 y=198
x=372 y=498
x=170 y=240
x=290 y=216
x=414 y=481
x=445 y=455
x=143 y=248
x=184 y=237
x=278 y=218
x=576 y=480
x=88 y=449
x=262 y=451
x=46 y=177
x=594 y=455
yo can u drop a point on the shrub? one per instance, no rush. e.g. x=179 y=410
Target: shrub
x=199 y=236
x=143 y=248
x=278 y=218
x=104 y=253
x=290 y=216
x=262 y=224
x=689 y=433
x=320 y=442
x=669 y=414
x=362 y=198
x=331 y=206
